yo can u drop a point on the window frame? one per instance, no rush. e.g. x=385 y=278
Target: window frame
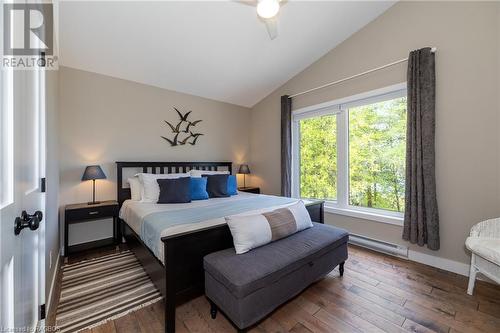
x=340 y=107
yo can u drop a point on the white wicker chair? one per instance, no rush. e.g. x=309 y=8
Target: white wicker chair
x=484 y=243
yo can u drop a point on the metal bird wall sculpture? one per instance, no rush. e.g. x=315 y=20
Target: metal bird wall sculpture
x=185 y=132
x=195 y=136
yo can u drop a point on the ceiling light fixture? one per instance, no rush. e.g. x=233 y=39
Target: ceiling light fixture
x=268 y=8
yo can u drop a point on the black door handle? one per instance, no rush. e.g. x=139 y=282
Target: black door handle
x=26 y=220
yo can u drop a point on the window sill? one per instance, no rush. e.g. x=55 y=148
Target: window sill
x=388 y=219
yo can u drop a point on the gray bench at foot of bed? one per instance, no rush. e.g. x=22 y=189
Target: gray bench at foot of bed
x=249 y=286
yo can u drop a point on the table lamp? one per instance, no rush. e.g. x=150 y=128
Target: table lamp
x=93 y=172
x=244 y=170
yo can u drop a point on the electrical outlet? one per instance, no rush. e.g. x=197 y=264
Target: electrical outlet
x=50 y=259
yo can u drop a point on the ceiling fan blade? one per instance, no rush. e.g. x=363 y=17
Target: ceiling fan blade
x=252 y=3
x=272 y=27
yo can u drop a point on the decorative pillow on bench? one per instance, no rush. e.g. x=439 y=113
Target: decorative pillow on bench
x=252 y=231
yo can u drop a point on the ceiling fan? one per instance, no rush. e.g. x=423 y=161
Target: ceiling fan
x=267 y=10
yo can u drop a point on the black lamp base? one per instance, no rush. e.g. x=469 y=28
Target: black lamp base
x=93 y=202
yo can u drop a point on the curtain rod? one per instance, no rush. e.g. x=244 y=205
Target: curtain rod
x=433 y=50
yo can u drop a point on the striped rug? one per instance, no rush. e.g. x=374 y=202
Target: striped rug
x=95 y=291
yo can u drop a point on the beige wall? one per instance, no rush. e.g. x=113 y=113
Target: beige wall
x=467 y=124
x=104 y=119
x=498 y=81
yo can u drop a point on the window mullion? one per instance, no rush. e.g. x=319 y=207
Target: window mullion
x=342 y=158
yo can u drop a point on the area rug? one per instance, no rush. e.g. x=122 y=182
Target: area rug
x=105 y=288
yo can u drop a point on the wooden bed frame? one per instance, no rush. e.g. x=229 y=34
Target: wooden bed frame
x=182 y=278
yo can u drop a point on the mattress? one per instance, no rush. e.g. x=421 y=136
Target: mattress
x=152 y=221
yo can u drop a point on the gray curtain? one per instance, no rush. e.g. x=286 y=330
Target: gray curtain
x=286 y=146
x=421 y=221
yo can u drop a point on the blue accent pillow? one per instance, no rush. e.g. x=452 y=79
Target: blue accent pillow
x=232 y=185
x=175 y=190
x=198 y=188
x=217 y=186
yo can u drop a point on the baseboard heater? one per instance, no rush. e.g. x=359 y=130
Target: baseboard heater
x=378 y=245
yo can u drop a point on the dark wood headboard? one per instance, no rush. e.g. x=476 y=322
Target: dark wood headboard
x=123 y=193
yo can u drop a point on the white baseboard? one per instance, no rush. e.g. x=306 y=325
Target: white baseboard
x=442 y=263
x=53 y=282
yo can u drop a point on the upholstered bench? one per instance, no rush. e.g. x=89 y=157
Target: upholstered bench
x=247 y=287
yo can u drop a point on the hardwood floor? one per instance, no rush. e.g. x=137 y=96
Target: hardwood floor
x=378 y=293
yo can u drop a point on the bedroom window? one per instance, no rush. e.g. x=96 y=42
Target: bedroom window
x=351 y=153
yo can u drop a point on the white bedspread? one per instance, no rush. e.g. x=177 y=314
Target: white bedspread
x=134 y=212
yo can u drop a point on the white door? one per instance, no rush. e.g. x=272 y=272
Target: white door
x=22 y=165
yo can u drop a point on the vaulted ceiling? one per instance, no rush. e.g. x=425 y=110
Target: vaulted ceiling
x=214 y=49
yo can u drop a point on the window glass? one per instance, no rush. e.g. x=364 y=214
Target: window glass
x=318 y=157
x=377 y=135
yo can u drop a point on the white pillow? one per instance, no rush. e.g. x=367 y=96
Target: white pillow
x=135 y=188
x=150 y=187
x=252 y=231
x=198 y=173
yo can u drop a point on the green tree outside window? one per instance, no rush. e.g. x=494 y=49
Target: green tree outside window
x=318 y=157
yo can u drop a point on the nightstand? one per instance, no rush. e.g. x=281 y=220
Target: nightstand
x=316 y=209
x=249 y=189
x=84 y=212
